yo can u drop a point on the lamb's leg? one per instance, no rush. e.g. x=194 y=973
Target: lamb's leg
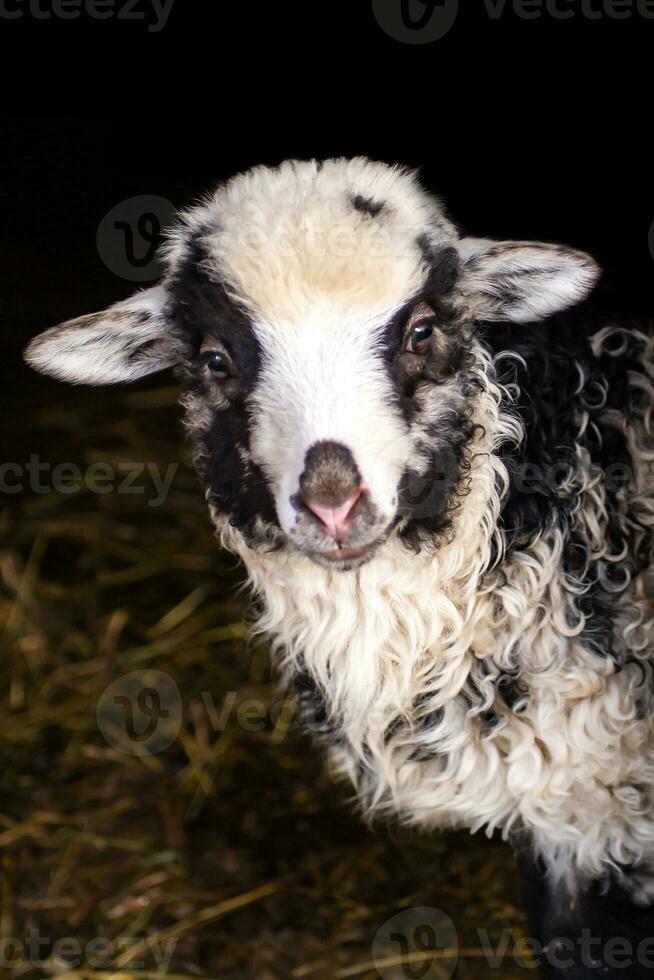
x=603 y=935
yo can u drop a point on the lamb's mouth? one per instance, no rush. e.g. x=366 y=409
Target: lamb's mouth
x=345 y=554
x=344 y=559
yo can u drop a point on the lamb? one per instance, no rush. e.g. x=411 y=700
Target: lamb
x=441 y=487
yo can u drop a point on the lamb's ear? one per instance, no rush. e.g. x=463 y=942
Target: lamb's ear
x=122 y=343
x=522 y=281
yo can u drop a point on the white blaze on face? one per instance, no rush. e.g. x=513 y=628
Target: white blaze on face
x=324 y=378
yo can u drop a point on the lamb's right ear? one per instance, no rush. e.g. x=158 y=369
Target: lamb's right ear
x=122 y=343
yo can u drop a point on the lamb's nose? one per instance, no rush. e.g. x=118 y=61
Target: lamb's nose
x=335 y=519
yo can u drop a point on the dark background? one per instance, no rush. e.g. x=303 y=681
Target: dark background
x=528 y=129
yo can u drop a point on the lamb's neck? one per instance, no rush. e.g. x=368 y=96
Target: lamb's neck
x=366 y=635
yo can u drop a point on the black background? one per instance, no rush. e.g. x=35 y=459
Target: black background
x=528 y=128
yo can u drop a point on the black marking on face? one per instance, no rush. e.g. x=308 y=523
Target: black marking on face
x=237 y=487
x=427 y=499
x=367 y=206
x=443 y=264
x=441 y=277
x=204 y=308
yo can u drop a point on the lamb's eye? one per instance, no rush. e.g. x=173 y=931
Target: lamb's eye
x=420 y=337
x=217 y=365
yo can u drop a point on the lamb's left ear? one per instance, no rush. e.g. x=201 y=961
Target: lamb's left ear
x=122 y=343
x=522 y=281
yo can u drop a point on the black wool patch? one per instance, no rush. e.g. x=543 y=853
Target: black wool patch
x=561 y=382
x=367 y=206
x=203 y=307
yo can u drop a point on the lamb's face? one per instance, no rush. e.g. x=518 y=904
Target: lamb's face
x=326 y=426
x=322 y=354
x=322 y=318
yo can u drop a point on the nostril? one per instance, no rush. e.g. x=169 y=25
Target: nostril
x=334 y=517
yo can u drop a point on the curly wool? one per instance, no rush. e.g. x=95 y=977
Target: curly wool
x=408 y=654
